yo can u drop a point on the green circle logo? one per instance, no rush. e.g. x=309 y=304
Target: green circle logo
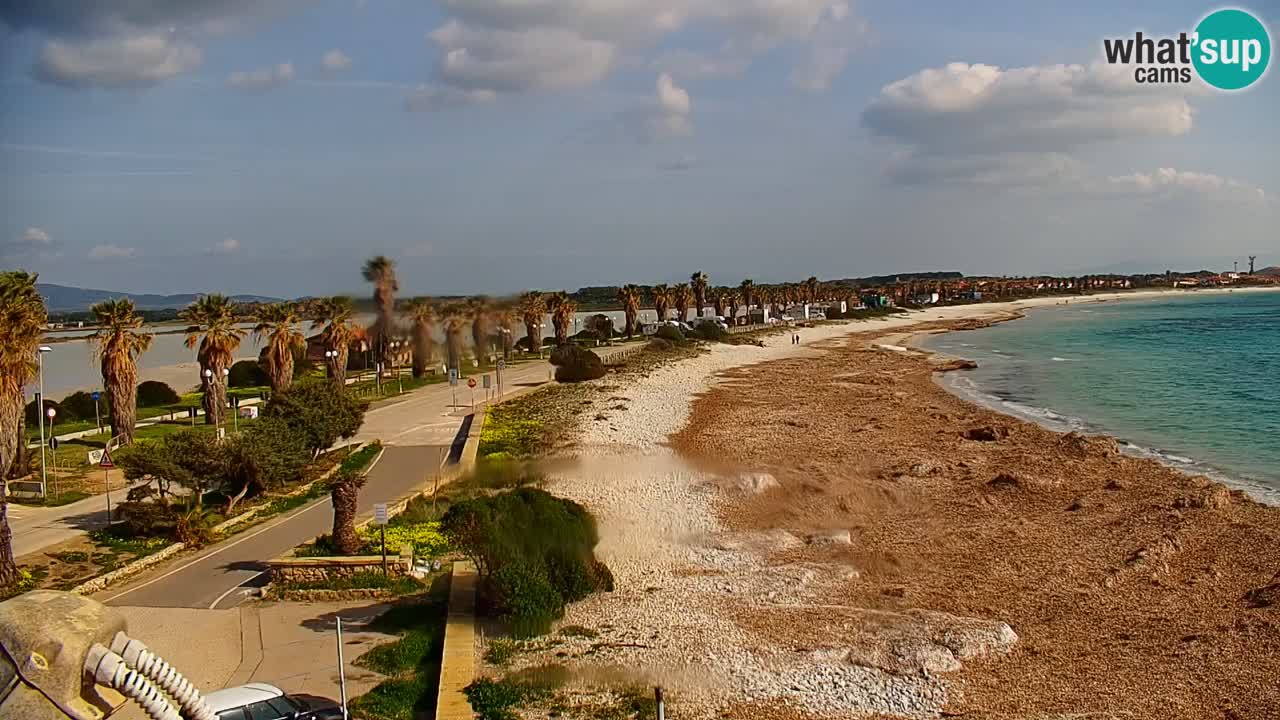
x=1232 y=49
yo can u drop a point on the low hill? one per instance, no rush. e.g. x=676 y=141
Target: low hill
x=63 y=298
x=1273 y=271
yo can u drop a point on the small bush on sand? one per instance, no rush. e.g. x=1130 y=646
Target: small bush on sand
x=710 y=331
x=670 y=333
x=534 y=553
x=576 y=364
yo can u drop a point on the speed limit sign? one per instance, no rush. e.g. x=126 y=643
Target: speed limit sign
x=471 y=383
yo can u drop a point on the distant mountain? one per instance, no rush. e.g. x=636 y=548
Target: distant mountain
x=61 y=298
x=1273 y=271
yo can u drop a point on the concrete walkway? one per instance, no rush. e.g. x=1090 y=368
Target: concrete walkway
x=290 y=645
x=458 y=660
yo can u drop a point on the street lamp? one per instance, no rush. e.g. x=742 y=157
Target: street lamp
x=44 y=477
x=395 y=363
x=51 y=412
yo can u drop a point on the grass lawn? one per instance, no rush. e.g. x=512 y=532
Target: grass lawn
x=411 y=663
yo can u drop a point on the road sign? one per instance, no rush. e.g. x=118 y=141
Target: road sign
x=502 y=365
x=105 y=460
x=488 y=382
x=471 y=383
x=380 y=514
x=53 y=443
x=95 y=395
x=95 y=457
x=453 y=376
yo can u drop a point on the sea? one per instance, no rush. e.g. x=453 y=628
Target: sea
x=1192 y=381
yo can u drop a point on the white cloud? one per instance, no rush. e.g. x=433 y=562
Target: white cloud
x=111 y=252
x=666 y=116
x=981 y=114
x=117 y=62
x=227 y=246
x=262 y=79
x=512 y=47
x=540 y=58
x=1167 y=180
x=838 y=34
x=32 y=243
x=335 y=61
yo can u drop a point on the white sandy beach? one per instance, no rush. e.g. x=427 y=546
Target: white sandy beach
x=677 y=569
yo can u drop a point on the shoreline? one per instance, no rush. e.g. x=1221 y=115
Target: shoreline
x=714 y=558
x=984 y=398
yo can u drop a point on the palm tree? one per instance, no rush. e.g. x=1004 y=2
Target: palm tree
x=117 y=345
x=278 y=324
x=455 y=325
x=747 y=289
x=337 y=316
x=661 y=300
x=699 y=282
x=480 y=308
x=533 y=308
x=381 y=271
x=721 y=297
x=681 y=297
x=213 y=328
x=562 y=310
x=811 y=289
x=505 y=319
x=630 y=297
x=731 y=298
x=344 y=493
x=423 y=318
x=22 y=321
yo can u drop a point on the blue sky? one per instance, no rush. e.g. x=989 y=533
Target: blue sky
x=493 y=145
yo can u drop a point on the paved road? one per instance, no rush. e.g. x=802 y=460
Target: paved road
x=212 y=577
x=35 y=528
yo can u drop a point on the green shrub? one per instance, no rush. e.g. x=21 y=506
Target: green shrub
x=659 y=345
x=670 y=333
x=710 y=331
x=247 y=373
x=80 y=405
x=524 y=598
x=501 y=651
x=576 y=364
x=34 y=416
x=154 y=393
x=318 y=410
x=398 y=699
x=498 y=699
x=534 y=551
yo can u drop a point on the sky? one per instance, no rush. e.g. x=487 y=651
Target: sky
x=270 y=146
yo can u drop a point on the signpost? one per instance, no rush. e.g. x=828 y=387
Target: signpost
x=380 y=519
x=471 y=383
x=502 y=365
x=104 y=462
x=488 y=387
x=98 y=415
x=453 y=385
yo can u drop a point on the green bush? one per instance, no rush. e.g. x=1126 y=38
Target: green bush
x=498 y=699
x=247 y=373
x=576 y=364
x=320 y=411
x=710 y=331
x=34 y=416
x=154 y=393
x=80 y=405
x=670 y=333
x=534 y=552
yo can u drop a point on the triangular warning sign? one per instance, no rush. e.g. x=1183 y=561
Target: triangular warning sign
x=106 y=459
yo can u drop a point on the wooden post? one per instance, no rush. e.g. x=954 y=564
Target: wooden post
x=382 y=530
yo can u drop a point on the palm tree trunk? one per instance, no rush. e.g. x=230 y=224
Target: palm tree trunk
x=631 y=323
x=535 y=340
x=282 y=378
x=215 y=394
x=18 y=465
x=338 y=367
x=421 y=353
x=122 y=393
x=345 y=496
x=10 y=437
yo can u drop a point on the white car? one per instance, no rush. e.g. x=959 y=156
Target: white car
x=260 y=701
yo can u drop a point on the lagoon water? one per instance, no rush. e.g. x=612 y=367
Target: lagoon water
x=1192 y=381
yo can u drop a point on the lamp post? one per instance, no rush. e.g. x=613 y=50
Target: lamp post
x=330 y=357
x=395 y=363
x=51 y=412
x=44 y=477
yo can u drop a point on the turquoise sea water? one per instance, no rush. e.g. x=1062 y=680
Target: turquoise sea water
x=1193 y=381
